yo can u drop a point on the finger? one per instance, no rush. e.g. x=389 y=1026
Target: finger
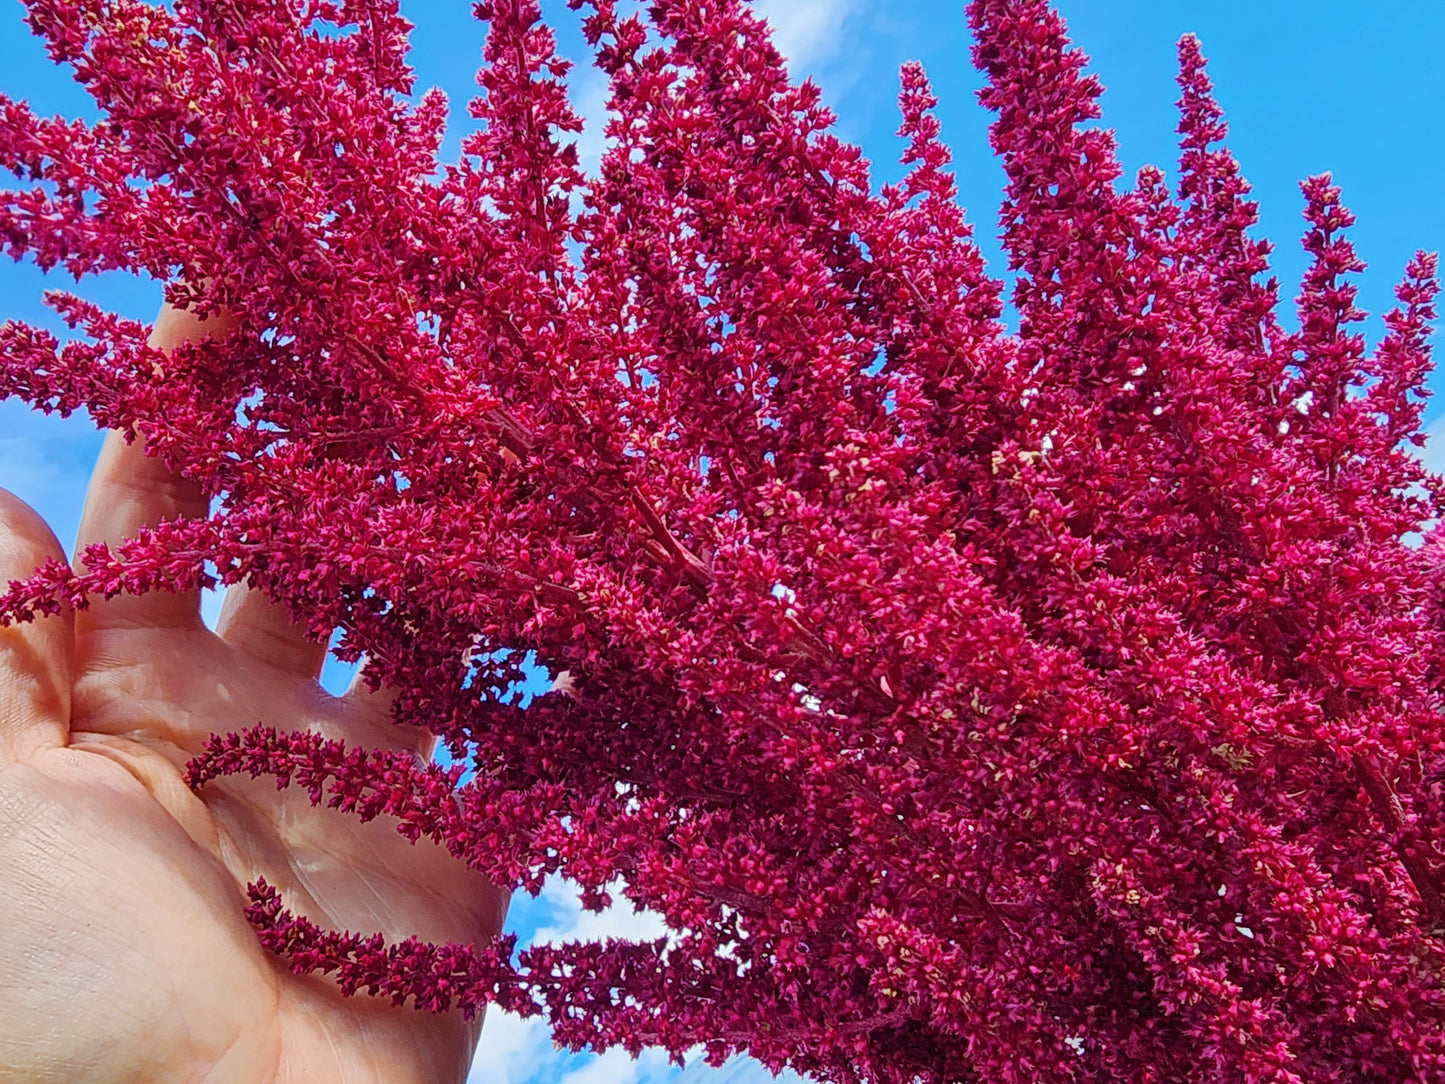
x=253 y=624
x=35 y=657
x=130 y=490
x=375 y=709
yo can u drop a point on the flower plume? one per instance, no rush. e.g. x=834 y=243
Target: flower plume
x=1059 y=705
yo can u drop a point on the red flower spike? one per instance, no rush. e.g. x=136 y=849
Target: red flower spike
x=1056 y=706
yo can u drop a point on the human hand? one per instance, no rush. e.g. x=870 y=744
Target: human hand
x=124 y=954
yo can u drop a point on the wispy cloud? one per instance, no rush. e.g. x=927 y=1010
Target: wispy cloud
x=735 y=1071
x=589 y=93
x=511 y=1050
x=617 y=1067
x=807 y=32
x=516 y=1051
x=570 y=922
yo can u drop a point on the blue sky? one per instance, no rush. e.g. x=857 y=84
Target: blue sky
x=1326 y=85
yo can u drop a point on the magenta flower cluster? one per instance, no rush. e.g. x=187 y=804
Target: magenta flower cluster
x=1063 y=705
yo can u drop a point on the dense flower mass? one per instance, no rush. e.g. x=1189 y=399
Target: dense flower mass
x=1060 y=705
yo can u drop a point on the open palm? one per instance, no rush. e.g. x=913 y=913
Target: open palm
x=124 y=955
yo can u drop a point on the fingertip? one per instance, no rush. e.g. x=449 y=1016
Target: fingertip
x=28 y=540
x=377 y=708
x=36 y=657
x=376 y=703
x=175 y=326
x=130 y=490
x=254 y=624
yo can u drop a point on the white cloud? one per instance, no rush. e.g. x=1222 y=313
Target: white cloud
x=507 y=1043
x=734 y=1071
x=589 y=92
x=511 y=1050
x=617 y=1067
x=571 y=923
x=807 y=32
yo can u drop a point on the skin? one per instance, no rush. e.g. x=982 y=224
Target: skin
x=124 y=954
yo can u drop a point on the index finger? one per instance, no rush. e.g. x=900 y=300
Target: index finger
x=130 y=490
